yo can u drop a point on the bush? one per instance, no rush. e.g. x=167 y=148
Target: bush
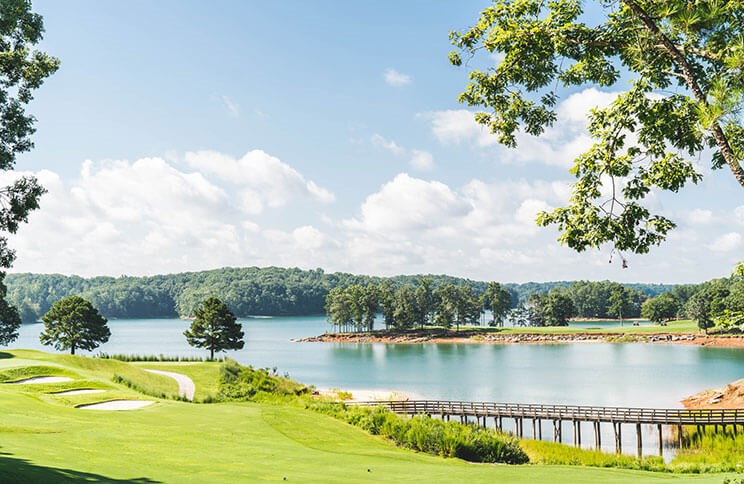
x=425 y=434
x=238 y=382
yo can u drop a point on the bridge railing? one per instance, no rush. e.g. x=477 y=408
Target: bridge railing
x=565 y=412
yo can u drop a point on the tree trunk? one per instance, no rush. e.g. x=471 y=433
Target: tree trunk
x=723 y=144
x=211 y=354
x=72 y=350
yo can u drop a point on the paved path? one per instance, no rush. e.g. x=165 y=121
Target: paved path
x=186 y=385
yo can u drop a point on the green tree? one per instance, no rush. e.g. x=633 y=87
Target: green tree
x=386 y=298
x=698 y=309
x=425 y=304
x=661 y=308
x=22 y=70
x=404 y=302
x=558 y=308
x=446 y=303
x=10 y=320
x=621 y=302
x=338 y=308
x=497 y=298
x=215 y=328
x=685 y=97
x=536 y=309
x=468 y=307
x=72 y=323
x=370 y=304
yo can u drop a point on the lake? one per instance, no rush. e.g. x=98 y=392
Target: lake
x=580 y=373
x=612 y=374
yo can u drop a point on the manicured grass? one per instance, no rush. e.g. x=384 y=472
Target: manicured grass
x=174 y=441
x=203 y=374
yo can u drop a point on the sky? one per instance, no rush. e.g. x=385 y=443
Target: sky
x=187 y=135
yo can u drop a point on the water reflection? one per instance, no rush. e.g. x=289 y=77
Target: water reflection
x=584 y=373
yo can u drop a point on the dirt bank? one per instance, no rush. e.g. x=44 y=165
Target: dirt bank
x=730 y=396
x=479 y=337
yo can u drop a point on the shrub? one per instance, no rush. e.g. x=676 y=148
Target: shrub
x=425 y=434
x=238 y=382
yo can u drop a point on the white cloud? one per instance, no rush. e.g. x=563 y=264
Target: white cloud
x=739 y=214
x=558 y=145
x=262 y=178
x=150 y=216
x=418 y=159
x=409 y=204
x=726 y=242
x=388 y=145
x=231 y=107
x=395 y=78
x=421 y=160
x=699 y=217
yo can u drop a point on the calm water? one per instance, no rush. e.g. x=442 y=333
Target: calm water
x=582 y=373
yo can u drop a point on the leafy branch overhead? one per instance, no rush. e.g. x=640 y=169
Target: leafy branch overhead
x=22 y=70
x=685 y=100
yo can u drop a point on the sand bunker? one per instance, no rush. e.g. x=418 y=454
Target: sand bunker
x=117 y=405
x=42 y=379
x=82 y=391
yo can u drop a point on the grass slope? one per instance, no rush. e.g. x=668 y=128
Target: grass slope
x=175 y=441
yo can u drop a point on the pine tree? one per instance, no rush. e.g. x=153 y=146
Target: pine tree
x=215 y=328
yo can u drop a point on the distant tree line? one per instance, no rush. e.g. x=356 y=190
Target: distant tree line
x=270 y=291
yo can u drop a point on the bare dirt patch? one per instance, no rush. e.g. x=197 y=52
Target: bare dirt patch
x=730 y=396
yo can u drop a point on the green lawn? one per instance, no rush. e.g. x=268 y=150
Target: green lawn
x=43 y=439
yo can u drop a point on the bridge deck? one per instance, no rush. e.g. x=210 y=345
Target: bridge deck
x=566 y=412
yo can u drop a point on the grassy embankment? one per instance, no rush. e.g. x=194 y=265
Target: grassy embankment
x=43 y=438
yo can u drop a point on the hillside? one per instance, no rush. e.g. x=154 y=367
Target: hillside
x=269 y=291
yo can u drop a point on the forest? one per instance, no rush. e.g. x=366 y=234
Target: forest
x=269 y=291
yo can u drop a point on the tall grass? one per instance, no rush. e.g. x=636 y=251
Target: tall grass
x=237 y=382
x=425 y=434
x=160 y=357
x=707 y=449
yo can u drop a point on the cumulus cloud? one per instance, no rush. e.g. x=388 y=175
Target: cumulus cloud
x=396 y=79
x=151 y=215
x=558 y=145
x=418 y=159
x=726 y=242
x=264 y=180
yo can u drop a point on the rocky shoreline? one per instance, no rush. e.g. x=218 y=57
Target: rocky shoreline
x=478 y=337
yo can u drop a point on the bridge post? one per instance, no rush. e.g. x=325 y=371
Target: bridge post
x=539 y=429
x=639 y=440
x=555 y=432
x=501 y=424
x=576 y=435
x=534 y=429
x=679 y=435
x=597 y=436
x=521 y=427
x=661 y=442
x=616 y=429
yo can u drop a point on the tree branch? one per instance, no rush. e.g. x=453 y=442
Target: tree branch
x=723 y=144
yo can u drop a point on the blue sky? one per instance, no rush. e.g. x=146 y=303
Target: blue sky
x=191 y=135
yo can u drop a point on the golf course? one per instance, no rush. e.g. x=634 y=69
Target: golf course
x=46 y=437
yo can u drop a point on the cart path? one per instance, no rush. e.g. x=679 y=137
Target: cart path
x=186 y=387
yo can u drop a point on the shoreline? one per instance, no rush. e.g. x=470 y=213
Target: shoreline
x=477 y=337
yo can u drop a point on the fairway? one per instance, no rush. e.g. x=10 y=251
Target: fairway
x=46 y=439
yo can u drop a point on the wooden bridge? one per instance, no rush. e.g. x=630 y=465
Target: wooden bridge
x=616 y=416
